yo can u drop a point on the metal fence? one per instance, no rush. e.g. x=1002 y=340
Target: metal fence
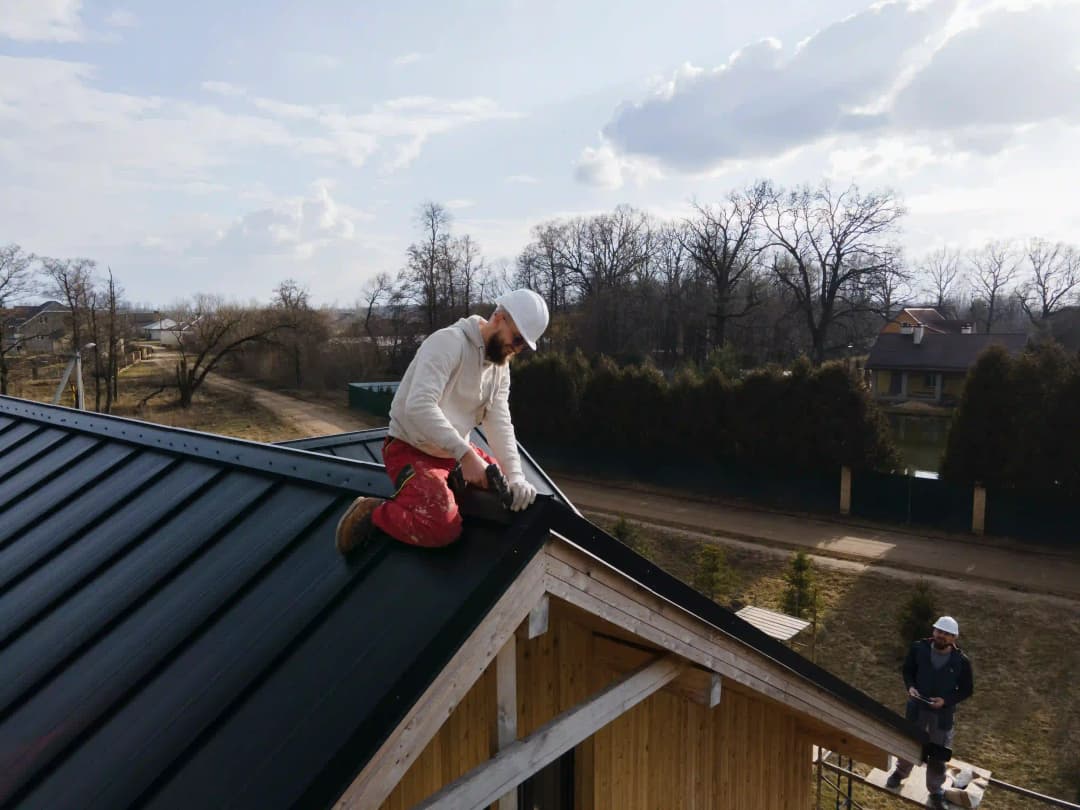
x=912 y=501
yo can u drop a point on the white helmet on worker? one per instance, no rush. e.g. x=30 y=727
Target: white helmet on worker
x=528 y=311
x=947 y=624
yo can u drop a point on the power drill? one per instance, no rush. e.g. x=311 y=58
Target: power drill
x=497 y=484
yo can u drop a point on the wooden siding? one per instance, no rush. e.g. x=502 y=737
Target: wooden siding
x=668 y=752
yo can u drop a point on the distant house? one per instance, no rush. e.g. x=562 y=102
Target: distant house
x=37 y=329
x=166 y=332
x=919 y=364
x=930 y=319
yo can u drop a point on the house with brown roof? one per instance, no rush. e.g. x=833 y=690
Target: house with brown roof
x=921 y=364
x=930 y=319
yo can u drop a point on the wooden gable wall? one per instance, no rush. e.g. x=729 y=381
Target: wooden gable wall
x=670 y=751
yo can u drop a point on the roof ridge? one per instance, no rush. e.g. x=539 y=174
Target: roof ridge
x=286 y=462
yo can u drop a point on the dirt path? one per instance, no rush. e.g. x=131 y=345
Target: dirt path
x=1035 y=570
x=308 y=418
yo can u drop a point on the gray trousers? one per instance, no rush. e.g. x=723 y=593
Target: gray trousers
x=935 y=770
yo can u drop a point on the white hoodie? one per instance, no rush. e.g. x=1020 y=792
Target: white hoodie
x=449 y=388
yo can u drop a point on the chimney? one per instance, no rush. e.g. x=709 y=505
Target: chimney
x=917 y=334
x=967 y=329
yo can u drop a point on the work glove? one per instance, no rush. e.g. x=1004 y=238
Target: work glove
x=524 y=494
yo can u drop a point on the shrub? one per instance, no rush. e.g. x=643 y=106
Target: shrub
x=713 y=575
x=917 y=614
x=800 y=594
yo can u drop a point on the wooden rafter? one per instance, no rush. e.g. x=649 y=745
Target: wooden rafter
x=516 y=763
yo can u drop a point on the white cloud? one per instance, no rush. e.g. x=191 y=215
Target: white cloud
x=121 y=18
x=459 y=204
x=953 y=79
x=599 y=167
x=604 y=167
x=1013 y=67
x=408 y=59
x=297 y=228
x=401 y=126
x=526 y=179
x=41 y=20
x=764 y=100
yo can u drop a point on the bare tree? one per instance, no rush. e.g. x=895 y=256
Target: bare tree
x=993 y=269
x=940 y=271
x=16 y=282
x=828 y=249
x=890 y=289
x=112 y=337
x=70 y=280
x=541 y=265
x=427 y=261
x=92 y=306
x=375 y=293
x=209 y=329
x=468 y=266
x=723 y=241
x=291 y=301
x=1054 y=274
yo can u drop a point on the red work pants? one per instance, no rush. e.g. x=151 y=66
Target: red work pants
x=423 y=510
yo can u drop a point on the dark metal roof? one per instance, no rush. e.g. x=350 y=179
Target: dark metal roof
x=177 y=630
x=366 y=445
x=936 y=352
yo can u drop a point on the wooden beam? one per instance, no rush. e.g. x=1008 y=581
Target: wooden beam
x=538 y=618
x=506 y=731
x=592 y=585
x=714 y=691
x=394 y=757
x=623 y=657
x=522 y=759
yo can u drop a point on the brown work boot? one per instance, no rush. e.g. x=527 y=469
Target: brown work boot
x=355 y=528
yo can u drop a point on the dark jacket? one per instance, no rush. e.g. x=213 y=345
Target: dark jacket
x=954 y=682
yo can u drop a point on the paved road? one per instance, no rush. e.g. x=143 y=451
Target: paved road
x=1031 y=569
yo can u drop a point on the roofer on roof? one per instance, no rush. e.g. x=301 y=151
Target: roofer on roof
x=459 y=379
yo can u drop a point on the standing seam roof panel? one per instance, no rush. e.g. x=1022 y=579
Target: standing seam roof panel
x=105 y=673
x=75 y=517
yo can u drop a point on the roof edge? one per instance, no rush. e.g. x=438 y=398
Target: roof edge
x=286 y=462
x=610 y=551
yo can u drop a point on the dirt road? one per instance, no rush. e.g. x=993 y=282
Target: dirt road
x=1036 y=570
x=308 y=418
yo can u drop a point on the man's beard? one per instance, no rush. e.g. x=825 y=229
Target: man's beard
x=496 y=350
x=941 y=644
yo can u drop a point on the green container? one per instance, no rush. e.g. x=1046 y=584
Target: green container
x=372 y=397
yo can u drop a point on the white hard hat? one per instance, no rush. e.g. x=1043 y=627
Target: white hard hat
x=947 y=624
x=529 y=312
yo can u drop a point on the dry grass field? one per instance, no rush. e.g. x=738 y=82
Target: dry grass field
x=1023 y=723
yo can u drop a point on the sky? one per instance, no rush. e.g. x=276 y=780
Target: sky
x=224 y=147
